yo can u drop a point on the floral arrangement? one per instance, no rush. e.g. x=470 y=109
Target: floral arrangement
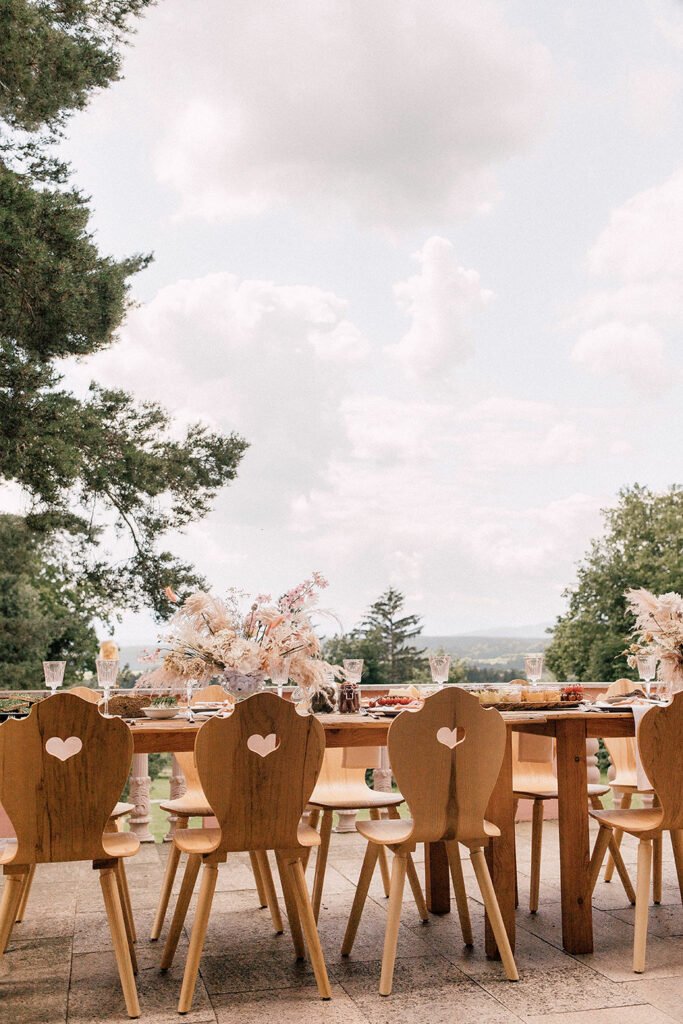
x=246 y=641
x=659 y=631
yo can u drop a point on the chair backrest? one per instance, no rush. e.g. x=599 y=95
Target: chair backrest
x=258 y=769
x=210 y=693
x=622 y=750
x=533 y=764
x=85 y=692
x=62 y=770
x=446 y=758
x=660 y=741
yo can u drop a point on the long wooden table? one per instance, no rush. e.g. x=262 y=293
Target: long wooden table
x=570 y=729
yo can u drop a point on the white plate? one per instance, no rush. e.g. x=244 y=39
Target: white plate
x=160 y=713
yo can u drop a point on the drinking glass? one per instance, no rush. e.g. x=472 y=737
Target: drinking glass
x=533 y=668
x=440 y=666
x=662 y=690
x=189 y=687
x=279 y=674
x=54 y=674
x=107 y=674
x=353 y=670
x=647 y=667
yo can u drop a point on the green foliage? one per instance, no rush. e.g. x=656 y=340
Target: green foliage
x=642 y=547
x=43 y=615
x=100 y=462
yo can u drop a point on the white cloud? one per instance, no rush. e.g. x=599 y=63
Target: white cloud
x=632 y=351
x=395 y=110
x=513 y=434
x=439 y=301
x=652 y=99
x=628 y=325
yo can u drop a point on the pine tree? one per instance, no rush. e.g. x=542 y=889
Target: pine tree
x=86 y=464
x=390 y=633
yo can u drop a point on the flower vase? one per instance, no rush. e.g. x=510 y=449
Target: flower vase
x=243 y=684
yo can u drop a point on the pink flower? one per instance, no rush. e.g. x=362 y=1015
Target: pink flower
x=171 y=595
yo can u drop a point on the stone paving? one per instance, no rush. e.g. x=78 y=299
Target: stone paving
x=59 y=966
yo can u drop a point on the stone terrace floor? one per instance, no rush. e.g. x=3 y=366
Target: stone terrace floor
x=59 y=966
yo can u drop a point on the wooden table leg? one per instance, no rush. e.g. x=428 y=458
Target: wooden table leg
x=437 y=878
x=500 y=853
x=572 y=781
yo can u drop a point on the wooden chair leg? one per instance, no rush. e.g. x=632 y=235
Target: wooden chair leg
x=416 y=889
x=398 y=877
x=117 y=927
x=617 y=860
x=624 y=804
x=291 y=907
x=642 y=904
x=310 y=929
x=321 y=862
x=596 y=803
x=256 y=872
x=455 y=864
x=184 y=896
x=271 y=895
x=536 y=847
x=313 y=819
x=11 y=898
x=602 y=842
x=198 y=935
x=124 y=899
x=488 y=893
x=677 y=846
x=366 y=873
x=28 y=882
x=657 y=845
x=166 y=888
x=383 y=859
x=515 y=805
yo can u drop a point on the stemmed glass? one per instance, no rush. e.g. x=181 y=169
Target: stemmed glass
x=107 y=674
x=189 y=687
x=647 y=667
x=533 y=668
x=353 y=670
x=440 y=665
x=54 y=674
x=279 y=674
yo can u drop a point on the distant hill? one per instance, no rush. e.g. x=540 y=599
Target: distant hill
x=501 y=651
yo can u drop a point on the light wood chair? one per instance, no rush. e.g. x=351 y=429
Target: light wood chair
x=661 y=752
x=120 y=812
x=534 y=778
x=446 y=759
x=61 y=772
x=258 y=769
x=193 y=804
x=622 y=752
x=341 y=788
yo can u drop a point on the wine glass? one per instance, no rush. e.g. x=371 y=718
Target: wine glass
x=440 y=666
x=279 y=674
x=189 y=687
x=107 y=674
x=647 y=667
x=353 y=670
x=54 y=674
x=662 y=690
x=533 y=668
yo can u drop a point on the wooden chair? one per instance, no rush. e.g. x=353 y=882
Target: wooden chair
x=341 y=788
x=534 y=778
x=446 y=759
x=661 y=752
x=258 y=769
x=193 y=804
x=61 y=772
x=622 y=752
x=121 y=811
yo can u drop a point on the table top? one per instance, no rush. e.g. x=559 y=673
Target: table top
x=177 y=735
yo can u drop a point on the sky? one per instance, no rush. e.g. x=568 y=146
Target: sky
x=427 y=258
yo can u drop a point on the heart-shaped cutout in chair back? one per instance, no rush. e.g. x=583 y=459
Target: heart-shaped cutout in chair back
x=450 y=737
x=263 y=745
x=64 y=749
